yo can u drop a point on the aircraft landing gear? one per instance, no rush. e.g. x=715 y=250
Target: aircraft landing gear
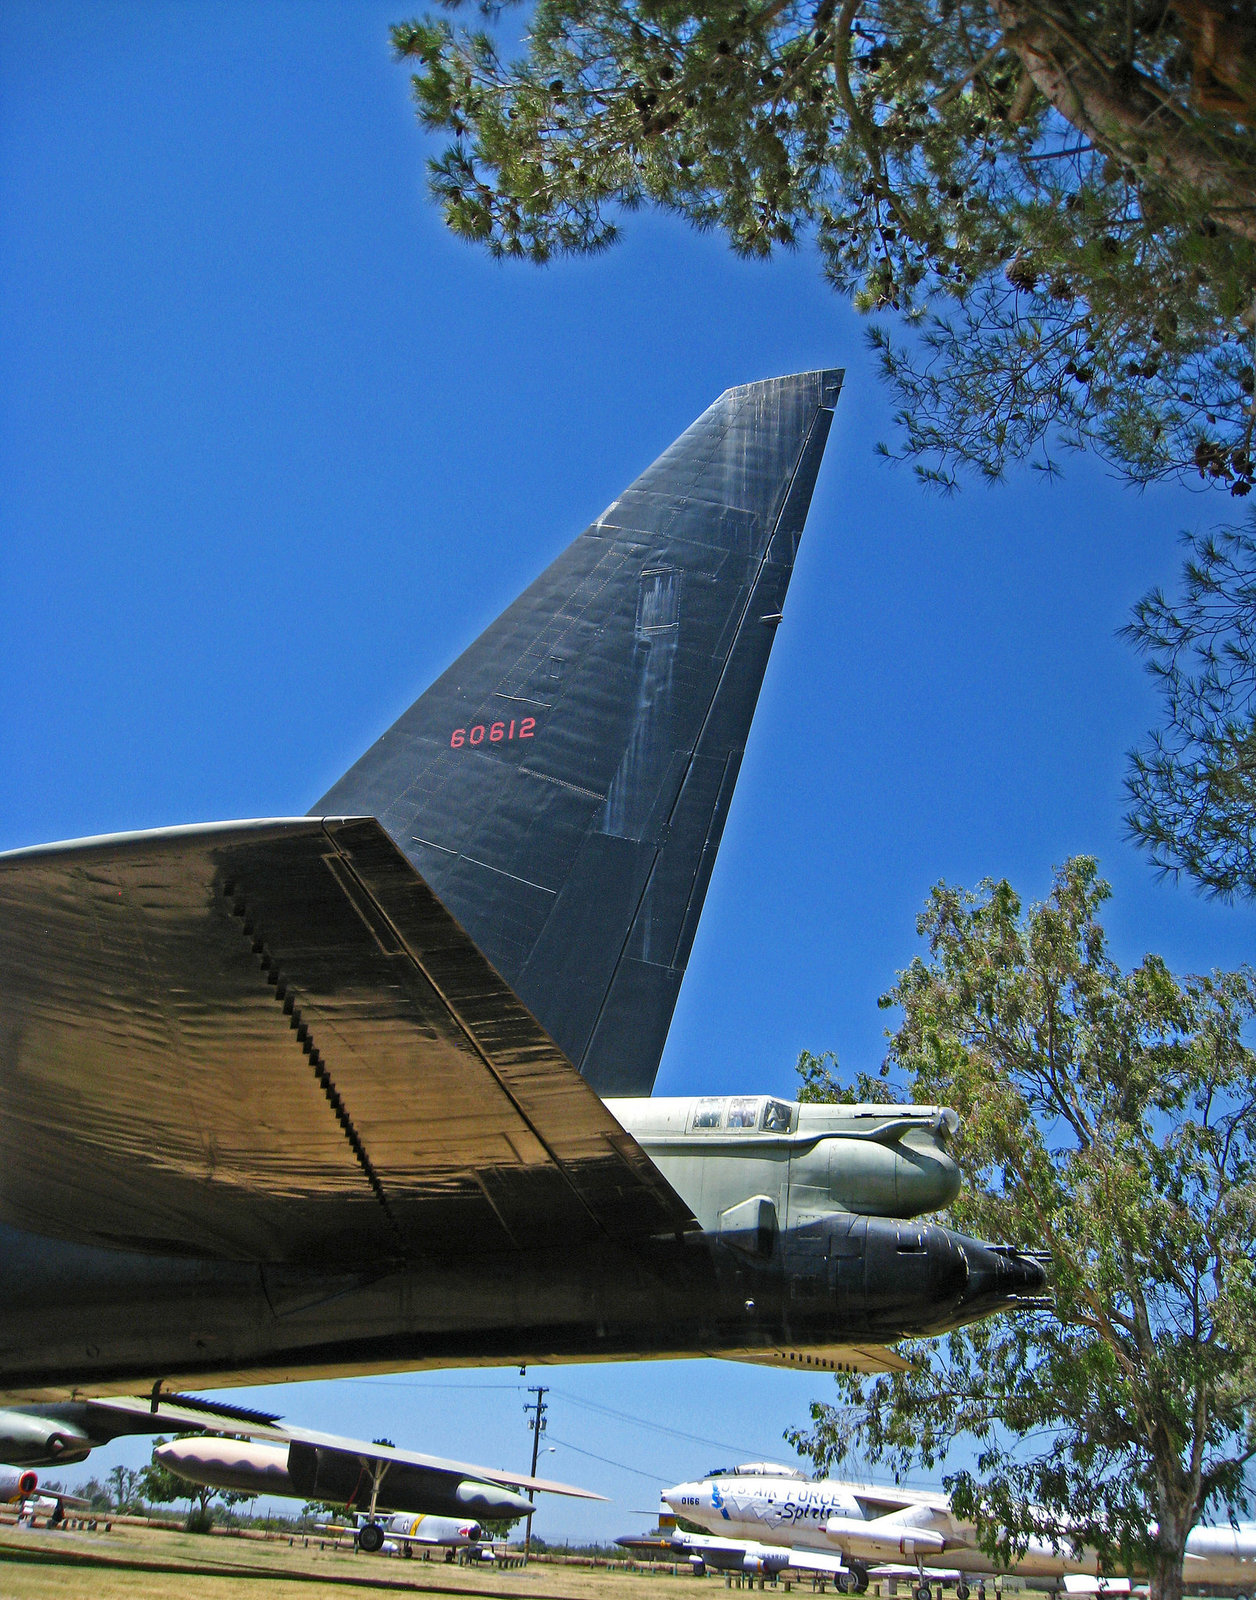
x=961 y=1590
x=371 y=1537
x=922 y=1591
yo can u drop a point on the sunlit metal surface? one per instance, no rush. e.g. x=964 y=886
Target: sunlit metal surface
x=294 y=1098
x=564 y=786
x=272 y=1043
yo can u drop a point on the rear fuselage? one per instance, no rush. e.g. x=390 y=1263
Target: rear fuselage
x=780 y=1262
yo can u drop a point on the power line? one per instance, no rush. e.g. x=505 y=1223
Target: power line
x=657 y=1427
x=607 y=1462
x=741 y=1450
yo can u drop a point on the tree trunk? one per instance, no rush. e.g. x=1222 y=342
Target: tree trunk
x=1124 y=116
x=1168 y=1556
x=1166 y=1574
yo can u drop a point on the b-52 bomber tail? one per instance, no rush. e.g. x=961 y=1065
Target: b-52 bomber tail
x=563 y=787
x=316 y=1095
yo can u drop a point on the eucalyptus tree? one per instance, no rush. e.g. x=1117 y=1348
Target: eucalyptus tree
x=1192 y=786
x=1110 y=1115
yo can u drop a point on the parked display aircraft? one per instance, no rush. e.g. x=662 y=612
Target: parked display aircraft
x=67 y=1431
x=21 y=1489
x=362 y=1477
x=306 y=1096
x=703 y=1551
x=16 y=1486
x=871 y=1526
x=406 y=1533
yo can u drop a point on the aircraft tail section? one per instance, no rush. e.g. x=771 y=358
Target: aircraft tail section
x=563 y=787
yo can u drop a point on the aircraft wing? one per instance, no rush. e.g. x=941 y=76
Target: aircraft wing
x=880 y=1500
x=912 y=1574
x=269 y=1041
x=368 y=1454
x=827 y=1358
x=75 y=1502
x=712 y=1549
x=358 y=1451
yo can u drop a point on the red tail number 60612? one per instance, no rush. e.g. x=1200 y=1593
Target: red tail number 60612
x=494 y=732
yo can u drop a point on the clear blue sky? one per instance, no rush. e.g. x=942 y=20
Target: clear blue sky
x=274 y=447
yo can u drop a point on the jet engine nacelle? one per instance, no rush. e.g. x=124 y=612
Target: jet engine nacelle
x=16 y=1485
x=883 y=1542
x=35 y=1441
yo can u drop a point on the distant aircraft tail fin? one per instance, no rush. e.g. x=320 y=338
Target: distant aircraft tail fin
x=563 y=787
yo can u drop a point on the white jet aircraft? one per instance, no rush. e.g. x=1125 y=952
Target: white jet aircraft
x=404 y=1532
x=702 y=1550
x=21 y=1489
x=872 y=1526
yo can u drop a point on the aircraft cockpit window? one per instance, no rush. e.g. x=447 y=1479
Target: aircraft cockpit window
x=776 y=1117
x=708 y=1114
x=743 y=1113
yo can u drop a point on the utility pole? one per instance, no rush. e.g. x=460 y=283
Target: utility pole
x=535 y=1411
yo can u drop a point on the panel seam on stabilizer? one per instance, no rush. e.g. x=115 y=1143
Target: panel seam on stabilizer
x=284 y=998
x=706 y=717
x=472 y=1038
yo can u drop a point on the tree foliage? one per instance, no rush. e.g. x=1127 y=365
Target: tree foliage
x=1193 y=785
x=1110 y=1117
x=124 y=1486
x=1060 y=195
x=820 y=1082
x=95 y=1493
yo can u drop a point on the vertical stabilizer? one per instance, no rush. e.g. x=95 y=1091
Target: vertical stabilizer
x=564 y=785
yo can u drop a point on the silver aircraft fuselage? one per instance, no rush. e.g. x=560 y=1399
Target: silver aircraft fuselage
x=785 y=1510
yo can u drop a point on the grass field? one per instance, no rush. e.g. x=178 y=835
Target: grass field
x=136 y=1563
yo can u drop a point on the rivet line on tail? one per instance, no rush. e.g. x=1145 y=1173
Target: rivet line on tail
x=291 y=1010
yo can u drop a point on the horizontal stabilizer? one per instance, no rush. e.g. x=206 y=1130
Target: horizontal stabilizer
x=563 y=787
x=269 y=1041
x=828 y=1358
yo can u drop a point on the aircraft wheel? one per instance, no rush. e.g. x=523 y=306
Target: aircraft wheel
x=961 y=1591
x=861 y=1577
x=922 y=1592
x=371 y=1538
